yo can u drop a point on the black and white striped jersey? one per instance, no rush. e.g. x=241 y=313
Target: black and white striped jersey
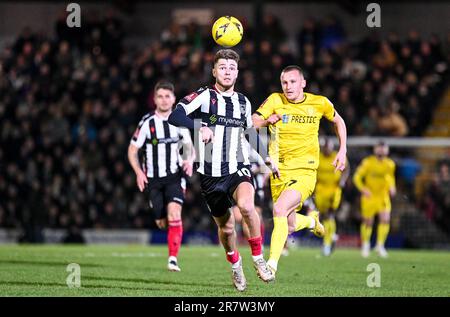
x=161 y=143
x=228 y=115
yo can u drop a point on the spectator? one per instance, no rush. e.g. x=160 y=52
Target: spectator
x=408 y=168
x=386 y=57
x=332 y=34
x=390 y=122
x=437 y=199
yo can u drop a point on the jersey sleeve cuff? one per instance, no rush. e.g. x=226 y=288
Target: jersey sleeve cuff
x=259 y=113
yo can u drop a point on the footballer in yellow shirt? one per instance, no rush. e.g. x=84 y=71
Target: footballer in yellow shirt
x=375 y=179
x=328 y=192
x=293 y=118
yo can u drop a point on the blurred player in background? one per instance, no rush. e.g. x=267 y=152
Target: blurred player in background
x=293 y=118
x=328 y=192
x=159 y=172
x=221 y=115
x=375 y=179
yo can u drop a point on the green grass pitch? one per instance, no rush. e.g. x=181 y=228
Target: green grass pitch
x=28 y=270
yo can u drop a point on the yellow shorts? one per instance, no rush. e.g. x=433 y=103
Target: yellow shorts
x=301 y=180
x=327 y=198
x=371 y=206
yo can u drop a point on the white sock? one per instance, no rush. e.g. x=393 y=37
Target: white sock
x=313 y=223
x=172 y=258
x=273 y=264
x=257 y=257
x=236 y=265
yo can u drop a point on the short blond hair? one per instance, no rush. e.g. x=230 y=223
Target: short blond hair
x=291 y=68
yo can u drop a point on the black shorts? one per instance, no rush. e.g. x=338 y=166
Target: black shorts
x=162 y=191
x=218 y=191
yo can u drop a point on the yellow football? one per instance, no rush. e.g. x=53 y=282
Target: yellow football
x=227 y=31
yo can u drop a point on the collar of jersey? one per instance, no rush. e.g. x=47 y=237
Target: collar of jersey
x=297 y=103
x=225 y=94
x=160 y=116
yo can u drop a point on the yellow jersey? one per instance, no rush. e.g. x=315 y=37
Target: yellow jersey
x=294 y=140
x=376 y=175
x=326 y=175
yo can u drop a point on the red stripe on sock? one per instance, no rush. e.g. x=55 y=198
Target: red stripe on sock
x=256 y=245
x=233 y=258
x=174 y=237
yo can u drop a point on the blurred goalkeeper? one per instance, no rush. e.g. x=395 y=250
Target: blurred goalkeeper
x=375 y=179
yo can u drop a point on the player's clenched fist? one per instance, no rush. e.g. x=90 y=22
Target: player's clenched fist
x=274 y=118
x=207 y=135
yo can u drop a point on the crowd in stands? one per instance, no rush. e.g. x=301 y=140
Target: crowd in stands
x=69 y=105
x=436 y=202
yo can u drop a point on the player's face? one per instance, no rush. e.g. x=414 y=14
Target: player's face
x=225 y=71
x=381 y=150
x=164 y=100
x=292 y=83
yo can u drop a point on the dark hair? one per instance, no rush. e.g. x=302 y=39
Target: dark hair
x=291 y=68
x=381 y=143
x=226 y=54
x=162 y=84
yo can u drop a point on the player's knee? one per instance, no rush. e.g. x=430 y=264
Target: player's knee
x=174 y=215
x=278 y=211
x=246 y=207
x=227 y=229
x=368 y=222
x=384 y=219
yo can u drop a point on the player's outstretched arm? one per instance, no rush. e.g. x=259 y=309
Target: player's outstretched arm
x=259 y=121
x=179 y=118
x=186 y=106
x=341 y=132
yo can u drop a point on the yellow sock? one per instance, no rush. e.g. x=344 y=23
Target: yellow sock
x=302 y=222
x=279 y=236
x=382 y=233
x=330 y=230
x=366 y=233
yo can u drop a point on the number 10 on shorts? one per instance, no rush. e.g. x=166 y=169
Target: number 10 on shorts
x=244 y=172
